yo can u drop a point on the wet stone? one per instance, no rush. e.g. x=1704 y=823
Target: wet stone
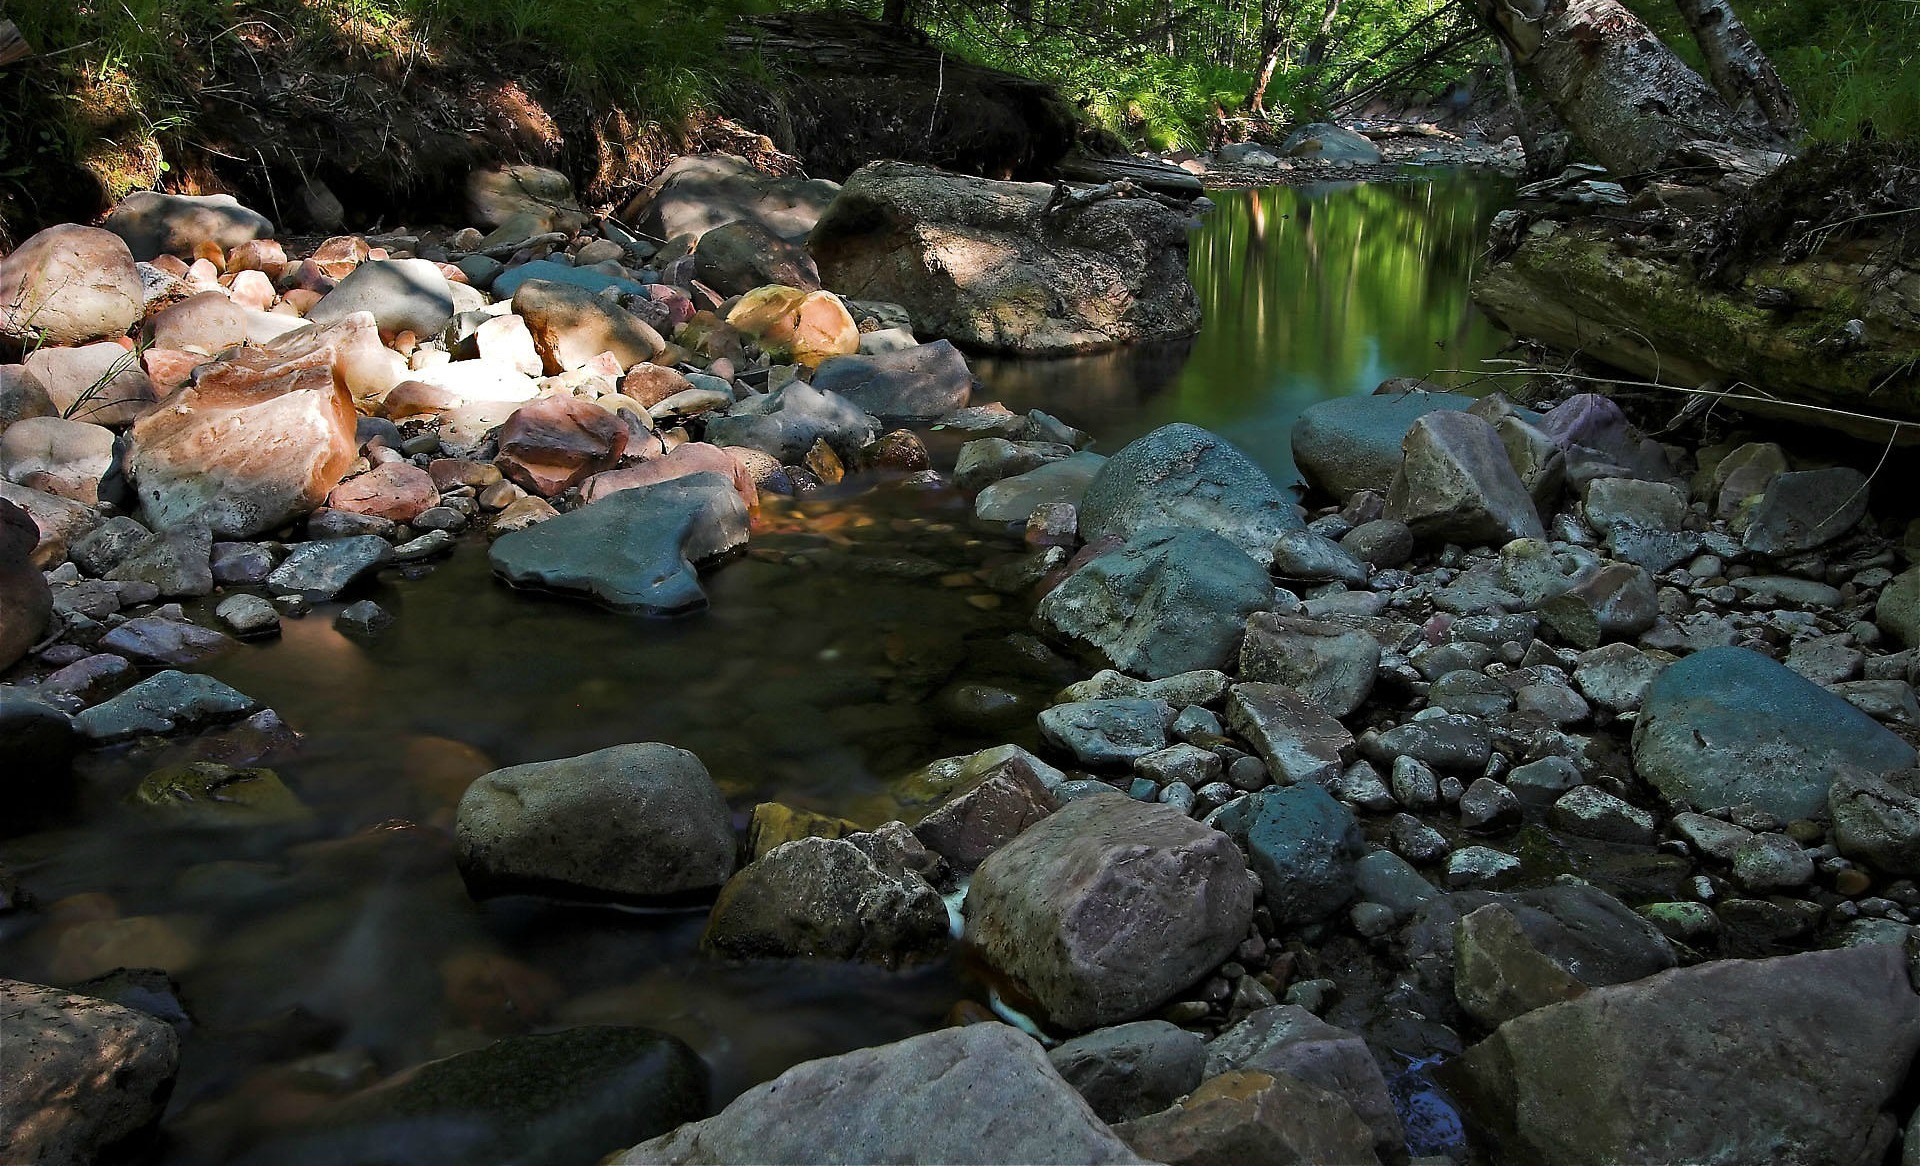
x=320 y=571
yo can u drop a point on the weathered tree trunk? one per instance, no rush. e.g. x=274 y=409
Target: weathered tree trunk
x=1323 y=36
x=1269 y=57
x=13 y=46
x=893 y=12
x=1522 y=124
x=1739 y=70
x=1613 y=83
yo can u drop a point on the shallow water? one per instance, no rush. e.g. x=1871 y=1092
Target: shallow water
x=853 y=644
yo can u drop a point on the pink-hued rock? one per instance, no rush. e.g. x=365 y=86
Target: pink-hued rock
x=257 y=255
x=252 y=289
x=651 y=384
x=62 y=457
x=791 y=324
x=695 y=457
x=102 y=383
x=69 y=285
x=411 y=398
x=26 y=602
x=505 y=339
x=60 y=521
x=571 y=326
x=169 y=368
x=400 y=491
x=557 y=442
x=259 y=439
x=207 y=323
x=22 y=395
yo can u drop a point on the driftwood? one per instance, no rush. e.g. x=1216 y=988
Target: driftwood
x=1065 y=198
x=1623 y=93
x=1148 y=173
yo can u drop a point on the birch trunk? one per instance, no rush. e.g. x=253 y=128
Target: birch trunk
x=1622 y=92
x=1739 y=70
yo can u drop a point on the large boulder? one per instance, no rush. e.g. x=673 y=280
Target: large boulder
x=533 y=199
x=787 y=421
x=634 y=550
x=1728 y=725
x=735 y=258
x=154 y=223
x=83 y=1078
x=1109 y=907
x=1791 y=1059
x=402 y=295
x=699 y=192
x=1302 y=844
x=1182 y=475
x=101 y=383
x=26 y=601
x=551 y=1099
x=1288 y=1040
x=983 y=264
x=981 y=1093
x=919 y=384
x=262 y=435
x=631 y=821
x=1326 y=142
x=69 y=285
x=1351 y=444
x=572 y=325
x=1170 y=601
x=822 y=898
x=1455 y=484
x=1513 y=954
x=1250 y=1118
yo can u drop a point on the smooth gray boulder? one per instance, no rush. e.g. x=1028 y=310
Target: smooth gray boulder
x=1728 y=725
x=1108 y=732
x=1169 y=601
x=1326 y=142
x=1898 y=612
x=699 y=192
x=319 y=571
x=787 y=421
x=1800 y=510
x=634 y=550
x=825 y=898
x=1349 y=444
x=1014 y=499
x=1791 y=1059
x=403 y=295
x=1131 y=1070
x=1109 y=907
x=1455 y=484
x=982 y=1093
x=915 y=385
x=154 y=223
x=631 y=821
x=1182 y=475
x=737 y=257
x=83 y=1078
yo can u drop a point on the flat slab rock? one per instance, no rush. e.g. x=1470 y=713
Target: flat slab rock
x=634 y=550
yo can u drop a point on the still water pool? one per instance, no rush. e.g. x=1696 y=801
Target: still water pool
x=856 y=642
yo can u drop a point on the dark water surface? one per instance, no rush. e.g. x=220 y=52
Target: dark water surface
x=855 y=643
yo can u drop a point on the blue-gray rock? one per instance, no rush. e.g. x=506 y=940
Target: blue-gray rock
x=634 y=550
x=1802 y=510
x=979 y=1093
x=178 y=561
x=1330 y=663
x=1305 y=557
x=1108 y=732
x=1296 y=736
x=990 y=459
x=1515 y=953
x=175 y=643
x=787 y=421
x=546 y=270
x=1876 y=819
x=320 y=571
x=1350 y=444
x=1455 y=484
x=1326 y=142
x=1131 y=1070
x=1383 y=877
x=1182 y=475
x=919 y=384
x=1170 y=601
x=631 y=821
x=1108 y=908
x=166 y=702
x=1302 y=844
x=1728 y=725
x=1015 y=499
x=404 y=295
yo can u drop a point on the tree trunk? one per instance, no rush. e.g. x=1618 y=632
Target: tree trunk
x=1269 y=57
x=1615 y=85
x=1739 y=70
x=1322 y=37
x=893 y=12
x=13 y=46
x=1522 y=124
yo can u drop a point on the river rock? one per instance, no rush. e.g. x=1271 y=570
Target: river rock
x=402 y=295
x=1302 y=844
x=631 y=821
x=1616 y=602
x=26 y=601
x=1728 y=725
x=261 y=436
x=1876 y=818
x=1131 y=1070
x=1011 y=796
x=825 y=898
x=550 y=1099
x=100 y=383
x=533 y=198
x=1898 y=612
x=154 y=223
x=698 y=192
x=22 y=396
x=1801 y=510
x=84 y=1078
x=69 y=285
x=1329 y=663
x=178 y=562
x=1289 y=1040
x=1326 y=142
x=787 y=421
x=1182 y=475
x=1784 y=1059
x=1014 y=499
x=1540 y=947
x=915 y=385
x=1349 y=444
x=166 y=702
x=592 y=280
x=978 y=1093
x=1109 y=907
x=693 y=457
x=1298 y=739
x=572 y=325
x=1252 y=1118
x=1111 y=273
x=737 y=257
x=1455 y=484
x=321 y=571
x=68 y=458
x=981 y=463
x=1108 y=732
x=634 y=550
x=396 y=491
x=918 y=793
x=557 y=442
x=1169 y=601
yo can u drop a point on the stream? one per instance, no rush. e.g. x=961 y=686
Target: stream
x=854 y=643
